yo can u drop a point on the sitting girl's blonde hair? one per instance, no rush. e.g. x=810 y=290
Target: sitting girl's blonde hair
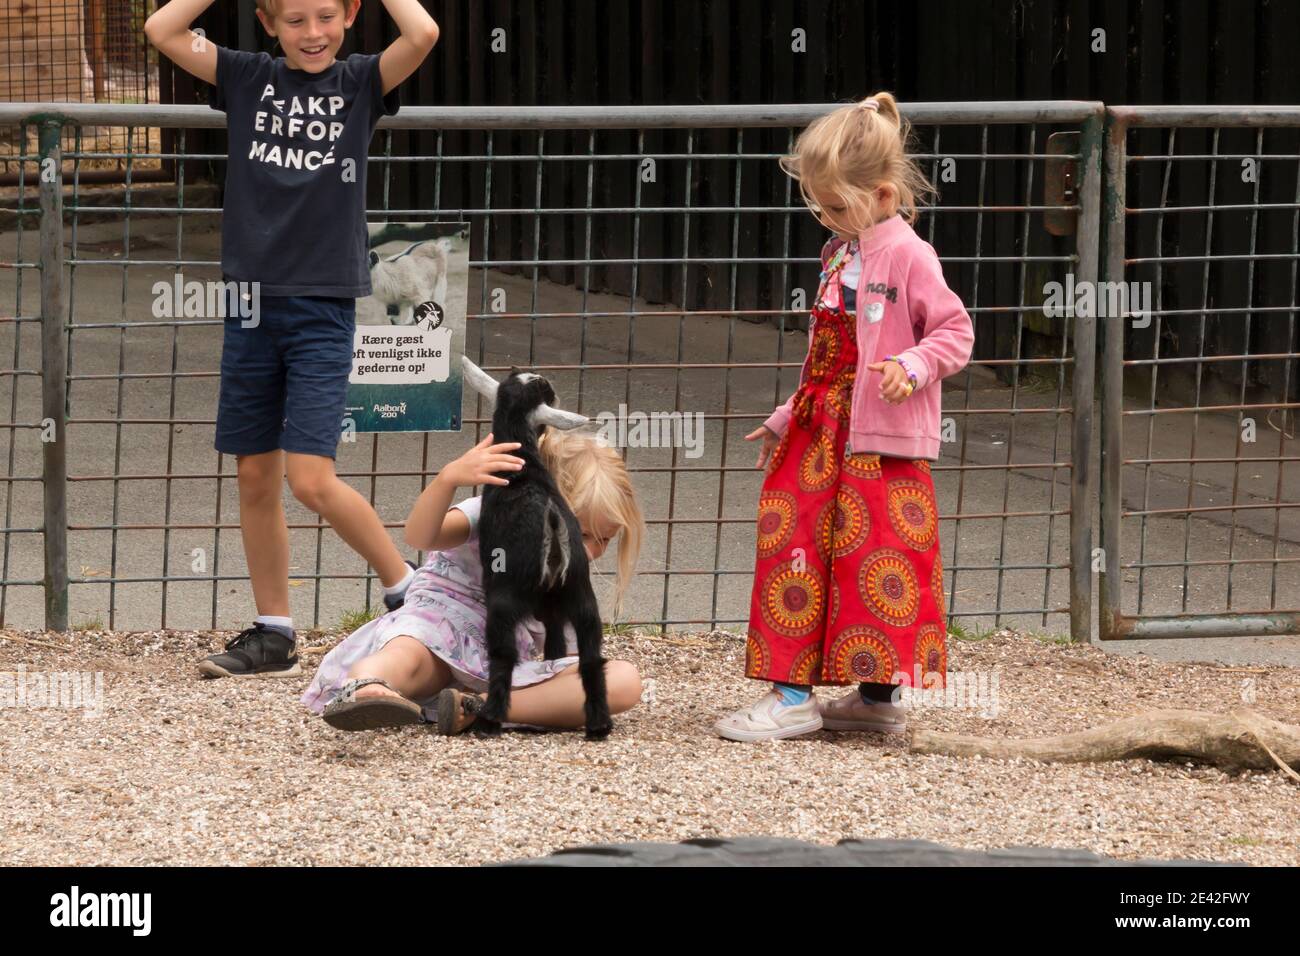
x=594 y=481
x=852 y=151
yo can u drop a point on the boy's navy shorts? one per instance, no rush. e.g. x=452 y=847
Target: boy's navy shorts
x=284 y=381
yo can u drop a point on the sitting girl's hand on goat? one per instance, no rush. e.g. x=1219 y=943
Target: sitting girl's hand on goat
x=479 y=465
x=427 y=527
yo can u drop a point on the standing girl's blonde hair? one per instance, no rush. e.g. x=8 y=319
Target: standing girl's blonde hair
x=859 y=154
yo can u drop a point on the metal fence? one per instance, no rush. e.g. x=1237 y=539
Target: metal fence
x=138 y=515
x=1198 y=506
x=92 y=51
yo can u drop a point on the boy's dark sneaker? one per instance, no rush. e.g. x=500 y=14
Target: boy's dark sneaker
x=394 y=601
x=259 y=651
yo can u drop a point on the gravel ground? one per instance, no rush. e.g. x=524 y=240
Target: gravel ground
x=181 y=770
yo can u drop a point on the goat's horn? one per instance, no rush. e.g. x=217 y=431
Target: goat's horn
x=479 y=380
x=545 y=415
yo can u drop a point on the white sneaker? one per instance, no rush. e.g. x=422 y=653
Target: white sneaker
x=770 y=720
x=851 y=712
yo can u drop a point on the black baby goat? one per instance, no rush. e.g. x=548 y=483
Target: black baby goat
x=530 y=543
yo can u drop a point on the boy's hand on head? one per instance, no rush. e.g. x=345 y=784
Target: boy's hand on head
x=418 y=32
x=894 y=385
x=479 y=465
x=770 y=441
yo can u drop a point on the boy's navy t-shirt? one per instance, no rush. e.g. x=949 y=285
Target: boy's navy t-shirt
x=295 y=205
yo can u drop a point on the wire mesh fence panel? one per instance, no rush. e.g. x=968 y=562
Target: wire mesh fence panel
x=21 y=564
x=82 y=51
x=1200 y=494
x=658 y=267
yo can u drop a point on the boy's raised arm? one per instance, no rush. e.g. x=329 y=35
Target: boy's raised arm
x=405 y=54
x=169 y=30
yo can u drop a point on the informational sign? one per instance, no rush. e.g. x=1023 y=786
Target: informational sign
x=411 y=330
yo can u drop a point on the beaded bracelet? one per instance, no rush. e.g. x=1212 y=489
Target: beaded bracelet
x=911 y=376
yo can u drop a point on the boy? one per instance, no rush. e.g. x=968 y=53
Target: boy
x=294 y=242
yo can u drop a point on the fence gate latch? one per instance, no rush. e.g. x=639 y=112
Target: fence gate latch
x=1061 y=183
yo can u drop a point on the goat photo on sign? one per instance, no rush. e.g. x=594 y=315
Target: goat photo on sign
x=411 y=281
x=534 y=561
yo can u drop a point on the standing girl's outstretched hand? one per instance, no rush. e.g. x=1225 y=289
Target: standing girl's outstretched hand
x=770 y=441
x=479 y=465
x=894 y=385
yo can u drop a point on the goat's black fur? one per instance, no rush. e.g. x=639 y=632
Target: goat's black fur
x=545 y=572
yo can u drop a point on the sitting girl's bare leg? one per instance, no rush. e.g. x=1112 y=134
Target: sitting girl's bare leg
x=559 y=701
x=410 y=668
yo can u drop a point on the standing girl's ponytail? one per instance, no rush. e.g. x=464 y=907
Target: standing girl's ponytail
x=856 y=149
x=886 y=107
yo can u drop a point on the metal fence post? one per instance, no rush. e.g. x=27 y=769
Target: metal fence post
x=1082 y=497
x=54 y=377
x=1112 y=381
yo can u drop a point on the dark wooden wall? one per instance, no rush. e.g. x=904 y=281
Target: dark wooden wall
x=738 y=51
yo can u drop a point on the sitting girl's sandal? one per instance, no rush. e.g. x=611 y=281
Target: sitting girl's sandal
x=348 y=712
x=457 y=710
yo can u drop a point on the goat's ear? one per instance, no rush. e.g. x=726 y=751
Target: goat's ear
x=479 y=380
x=556 y=417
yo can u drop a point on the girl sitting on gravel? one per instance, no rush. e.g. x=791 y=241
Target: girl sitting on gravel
x=848 y=586
x=428 y=660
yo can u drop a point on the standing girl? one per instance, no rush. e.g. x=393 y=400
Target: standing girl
x=848 y=587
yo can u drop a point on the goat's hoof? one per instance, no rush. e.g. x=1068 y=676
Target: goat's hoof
x=599 y=731
x=487 y=728
x=494 y=708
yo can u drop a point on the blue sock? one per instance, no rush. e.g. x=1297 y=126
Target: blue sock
x=792 y=694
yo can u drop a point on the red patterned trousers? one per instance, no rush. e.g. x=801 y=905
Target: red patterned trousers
x=848 y=585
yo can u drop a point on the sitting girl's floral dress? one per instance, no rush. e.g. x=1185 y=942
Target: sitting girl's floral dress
x=445 y=612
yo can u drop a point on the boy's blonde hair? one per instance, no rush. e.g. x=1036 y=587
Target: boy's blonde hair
x=594 y=481
x=852 y=151
x=269 y=7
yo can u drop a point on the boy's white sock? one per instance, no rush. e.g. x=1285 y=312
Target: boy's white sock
x=403 y=584
x=270 y=620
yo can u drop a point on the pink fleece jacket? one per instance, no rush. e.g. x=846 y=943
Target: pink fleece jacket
x=905 y=308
